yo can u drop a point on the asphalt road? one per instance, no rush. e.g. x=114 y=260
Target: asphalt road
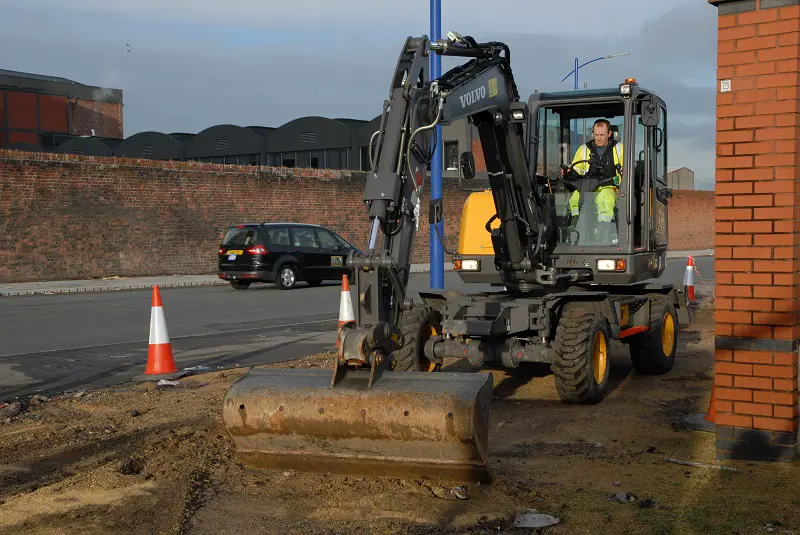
x=55 y=343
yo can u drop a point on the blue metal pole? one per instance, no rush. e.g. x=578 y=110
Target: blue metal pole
x=437 y=248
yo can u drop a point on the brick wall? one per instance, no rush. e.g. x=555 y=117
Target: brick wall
x=757 y=267
x=691 y=218
x=69 y=216
x=104 y=117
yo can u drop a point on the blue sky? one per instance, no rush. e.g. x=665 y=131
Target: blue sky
x=196 y=63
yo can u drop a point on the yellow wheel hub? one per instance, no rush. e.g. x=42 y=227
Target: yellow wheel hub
x=667 y=334
x=599 y=357
x=426 y=365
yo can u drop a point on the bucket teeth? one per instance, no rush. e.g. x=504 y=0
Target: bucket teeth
x=408 y=424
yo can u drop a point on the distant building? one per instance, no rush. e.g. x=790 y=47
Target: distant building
x=682 y=178
x=33 y=105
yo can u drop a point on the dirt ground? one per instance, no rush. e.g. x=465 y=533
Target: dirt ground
x=144 y=460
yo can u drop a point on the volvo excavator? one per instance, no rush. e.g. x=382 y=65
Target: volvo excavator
x=571 y=283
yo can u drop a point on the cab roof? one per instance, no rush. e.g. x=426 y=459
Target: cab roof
x=580 y=94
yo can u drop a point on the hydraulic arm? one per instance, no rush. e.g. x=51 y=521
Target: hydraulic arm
x=483 y=90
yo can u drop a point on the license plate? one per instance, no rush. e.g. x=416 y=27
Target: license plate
x=231 y=257
x=235 y=251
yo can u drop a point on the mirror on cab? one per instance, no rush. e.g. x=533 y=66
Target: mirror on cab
x=650 y=111
x=468 y=165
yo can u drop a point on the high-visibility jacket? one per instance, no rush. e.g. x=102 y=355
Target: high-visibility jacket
x=606 y=198
x=588 y=152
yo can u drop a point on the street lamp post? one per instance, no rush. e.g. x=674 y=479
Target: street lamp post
x=436 y=245
x=578 y=67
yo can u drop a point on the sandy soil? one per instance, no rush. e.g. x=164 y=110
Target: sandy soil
x=88 y=464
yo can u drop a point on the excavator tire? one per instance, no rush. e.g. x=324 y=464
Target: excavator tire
x=653 y=351
x=582 y=354
x=417 y=325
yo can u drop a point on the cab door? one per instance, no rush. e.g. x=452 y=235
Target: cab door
x=658 y=195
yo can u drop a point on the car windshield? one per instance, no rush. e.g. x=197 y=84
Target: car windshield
x=239 y=237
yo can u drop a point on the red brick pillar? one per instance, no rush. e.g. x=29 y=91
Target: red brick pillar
x=757 y=224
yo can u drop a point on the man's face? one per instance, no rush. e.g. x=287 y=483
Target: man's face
x=600 y=133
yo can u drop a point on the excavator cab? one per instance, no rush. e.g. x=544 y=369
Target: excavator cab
x=614 y=232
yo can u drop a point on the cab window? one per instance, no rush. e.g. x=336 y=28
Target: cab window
x=585 y=214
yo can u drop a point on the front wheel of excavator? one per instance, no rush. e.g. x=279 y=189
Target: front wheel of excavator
x=417 y=326
x=582 y=354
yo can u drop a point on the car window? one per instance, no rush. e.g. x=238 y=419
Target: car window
x=239 y=237
x=278 y=236
x=342 y=241
x=327 y=239
x=304 y=237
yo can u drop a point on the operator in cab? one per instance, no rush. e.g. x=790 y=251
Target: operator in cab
x=606 y=177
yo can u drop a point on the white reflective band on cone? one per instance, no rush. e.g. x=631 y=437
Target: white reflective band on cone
x=346 y=308
x=688 y=278
x=158 y=326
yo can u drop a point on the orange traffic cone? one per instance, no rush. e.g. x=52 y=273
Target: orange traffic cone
x=159 y=355
x=688 y=279
x=346 y=314
x=704 y=422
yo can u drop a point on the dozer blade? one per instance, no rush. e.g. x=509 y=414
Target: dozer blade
x=408 y=424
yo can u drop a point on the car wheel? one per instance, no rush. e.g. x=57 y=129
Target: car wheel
x=287 y=277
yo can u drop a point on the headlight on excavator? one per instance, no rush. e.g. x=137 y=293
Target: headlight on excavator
x=518 y=112
x=467 y=265
x=611 y=265
x=625 y=89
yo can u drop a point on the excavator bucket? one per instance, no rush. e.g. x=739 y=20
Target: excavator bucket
x=407 y=424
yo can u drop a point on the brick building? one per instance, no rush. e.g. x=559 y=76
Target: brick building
x=33 y=104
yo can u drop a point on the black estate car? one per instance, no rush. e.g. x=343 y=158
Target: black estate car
x=283 y=253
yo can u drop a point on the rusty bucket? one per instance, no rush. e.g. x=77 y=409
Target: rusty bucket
x=408 y=424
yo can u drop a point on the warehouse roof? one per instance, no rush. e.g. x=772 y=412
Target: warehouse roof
x=56 y=85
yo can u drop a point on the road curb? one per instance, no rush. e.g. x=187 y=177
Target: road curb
x=97 y=289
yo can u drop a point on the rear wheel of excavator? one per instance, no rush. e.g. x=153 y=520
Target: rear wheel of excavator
x=653 y=351
x=417 y=325
x=582 y=354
